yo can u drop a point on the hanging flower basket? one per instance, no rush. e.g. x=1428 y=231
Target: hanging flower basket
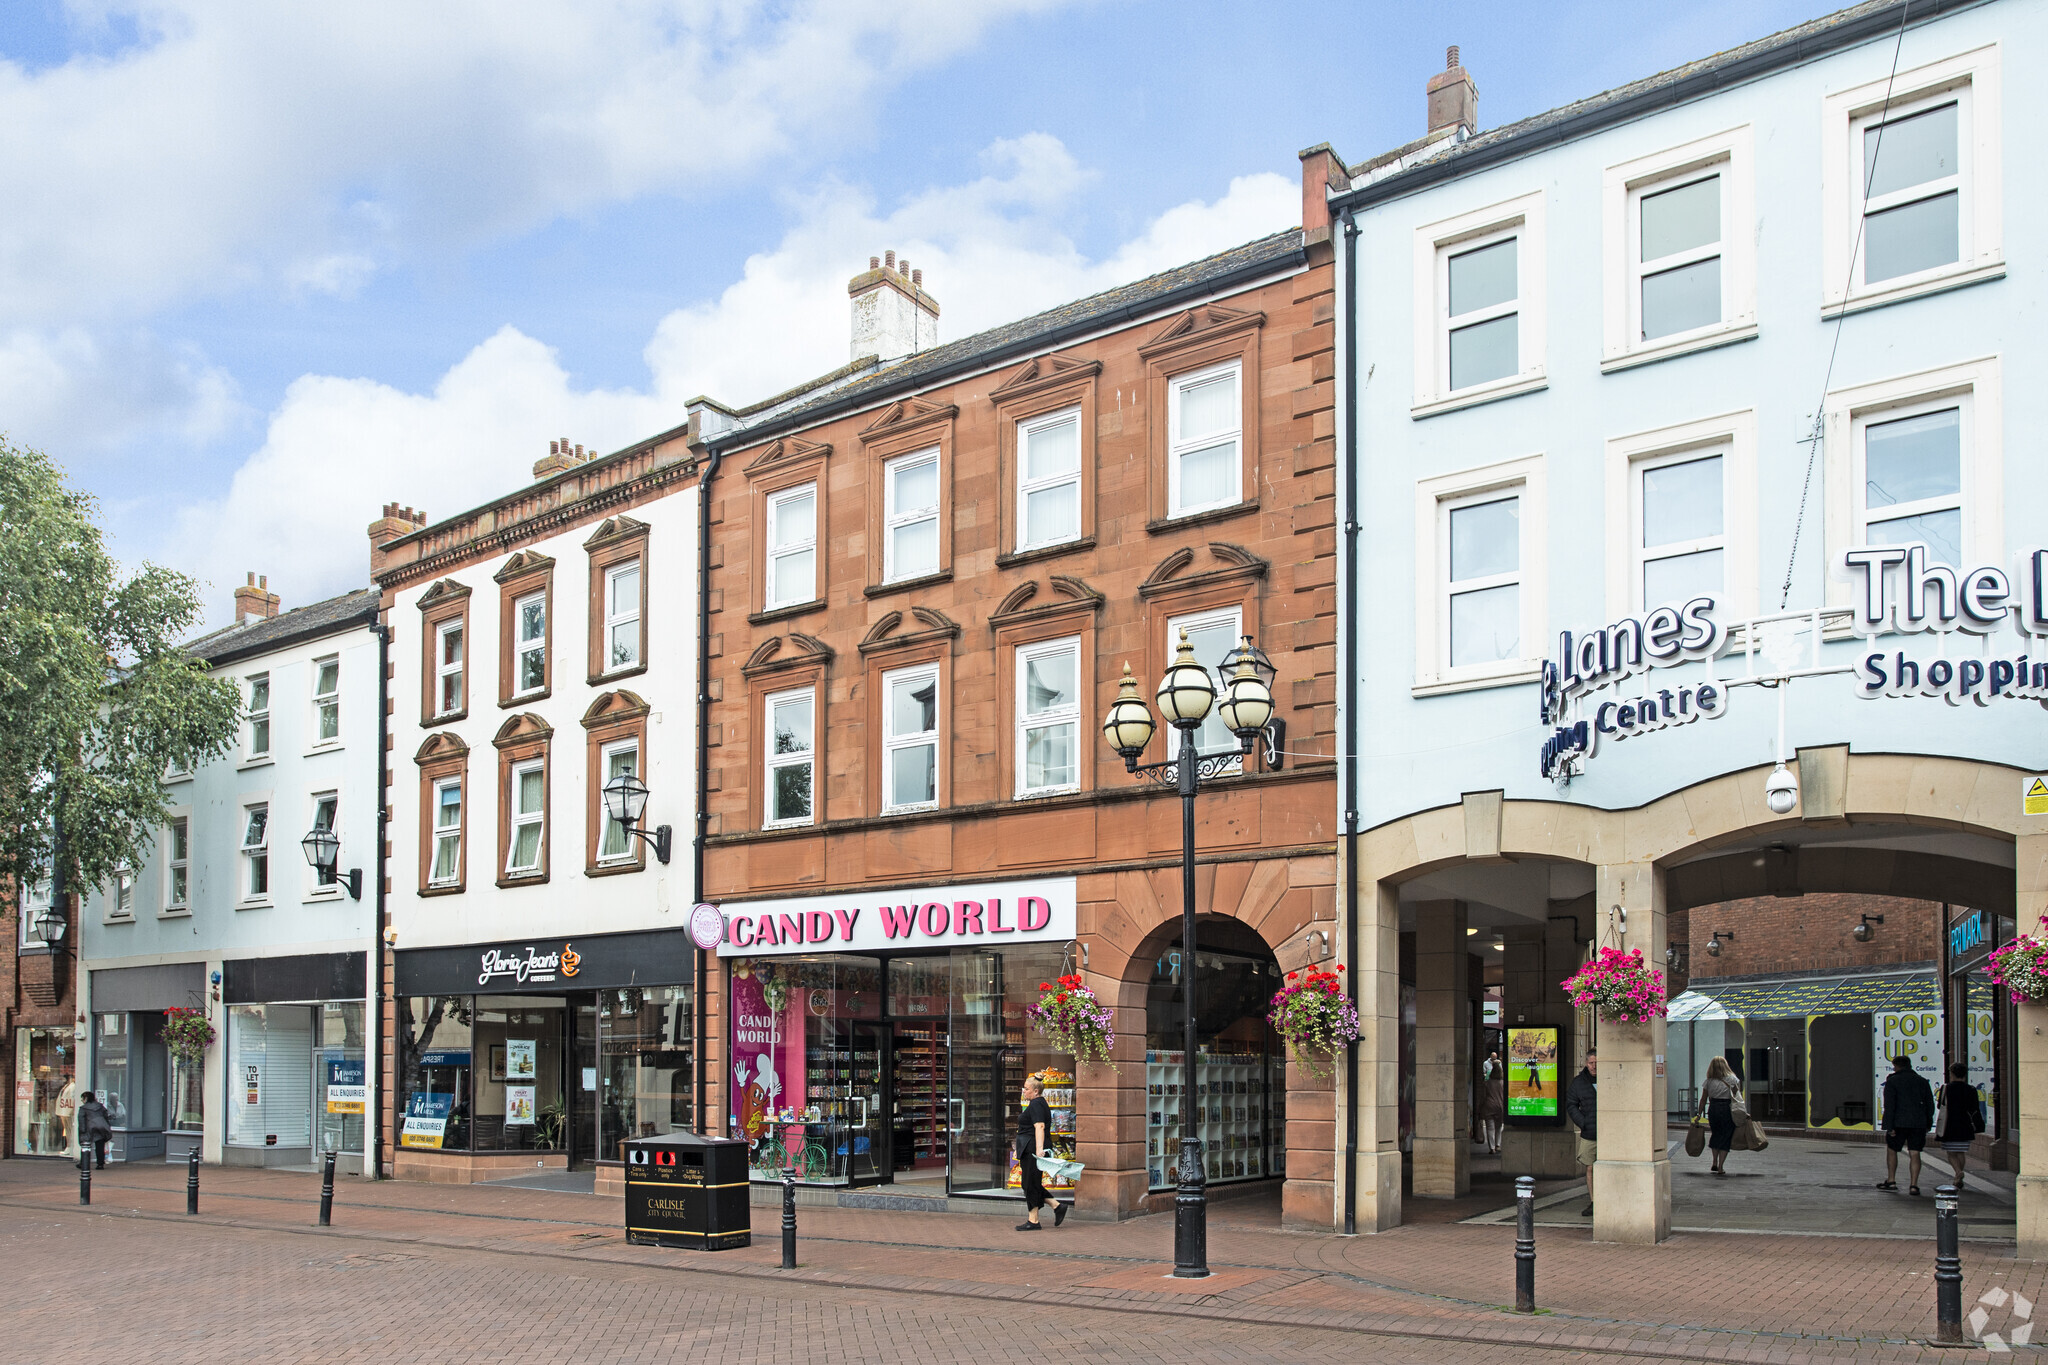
x=1316 y=1017
x=2021 y=966
x=1618 y=987
x=1073 y=1021
x=186 y=1033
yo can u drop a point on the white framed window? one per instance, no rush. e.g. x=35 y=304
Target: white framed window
x=622 y=616
x=910 y=739
x=1912 y=186
x=527 y=811
x=34 y=901
x=792 y=547
x=178 y=864
x=792 y=749
x=619 y=759
x=530 y=642
x=1049 y=479
x=1213 y=634
x=1680 y=270
x=1204 y=426
x=446 y=869
x=259 y=716
x=910 y=531
x=1917 y=459
x=1686 y=496
x=1049 y=717
x=450 y=685
x=326 y=805
x=1479 y=305
x=121 y=895
x=327 y=700
x=256 y=852
x=1479 y=611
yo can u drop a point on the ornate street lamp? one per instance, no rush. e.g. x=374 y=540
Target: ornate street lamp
x=323 y=851
x=1186 y=694
x=625 y=800
x=50 y=924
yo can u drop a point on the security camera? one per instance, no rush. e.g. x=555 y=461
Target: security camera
x=1781 y=792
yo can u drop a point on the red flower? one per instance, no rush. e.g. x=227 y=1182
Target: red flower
x=1340 y=966
x=1292 y=975
x=1045 y=985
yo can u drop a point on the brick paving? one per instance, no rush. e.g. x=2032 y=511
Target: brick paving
x=430 y=1273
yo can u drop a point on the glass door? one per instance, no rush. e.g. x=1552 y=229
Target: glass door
x=865 y=1151
x=982 y=1080
x=581 y=1082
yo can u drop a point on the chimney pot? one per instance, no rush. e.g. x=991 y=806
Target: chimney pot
x=874 y=262
x=1450 y=56
x=890 y=257
x=917 y=277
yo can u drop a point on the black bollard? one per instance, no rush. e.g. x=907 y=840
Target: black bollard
x=192 y=1182
x=1948 y=1270
x=1525 y=1244
x=789 y=1218
x=327 y=1192
x=85 y=1174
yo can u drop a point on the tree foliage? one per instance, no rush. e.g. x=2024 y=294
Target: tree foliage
x=97 y=698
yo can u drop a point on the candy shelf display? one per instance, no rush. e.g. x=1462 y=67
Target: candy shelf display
x=1059 y=1137
x=1240 y=1100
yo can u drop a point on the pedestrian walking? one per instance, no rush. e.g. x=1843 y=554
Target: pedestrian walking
x=1960 y=1118
x=1033 y=1123
x=1908 y=1114
x=1582 y=1111
x=1718 y=1098
x=95 y=1129
x=1492 y=1101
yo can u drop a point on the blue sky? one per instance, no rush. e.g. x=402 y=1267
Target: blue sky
x=285 y=266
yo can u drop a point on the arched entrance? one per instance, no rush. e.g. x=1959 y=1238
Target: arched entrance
x=1929 y=828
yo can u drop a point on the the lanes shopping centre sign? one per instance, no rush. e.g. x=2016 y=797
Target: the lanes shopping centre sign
x=1896 y=590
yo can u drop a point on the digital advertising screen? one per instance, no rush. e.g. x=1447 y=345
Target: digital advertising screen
x=1533 y=1091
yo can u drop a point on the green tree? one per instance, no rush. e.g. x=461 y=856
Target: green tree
x=97 y=698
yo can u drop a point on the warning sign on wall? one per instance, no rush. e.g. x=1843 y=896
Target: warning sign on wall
x=2035 y=799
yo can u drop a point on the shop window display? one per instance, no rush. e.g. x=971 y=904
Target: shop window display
x=646 y=1065
x=45 y=1092
x=338 y=1071
x=520 y=1104
x=1241 y=1075
x=270 y=1076
x=435 y=1037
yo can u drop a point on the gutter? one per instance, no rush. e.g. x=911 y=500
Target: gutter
x=375 y=1024
x=1347 y=666
x=1655 y=98
x=703 y=814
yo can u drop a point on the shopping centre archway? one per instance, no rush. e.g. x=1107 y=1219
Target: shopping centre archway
x=1563 y=876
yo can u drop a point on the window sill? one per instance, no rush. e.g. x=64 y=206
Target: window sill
x=1954 y=277
x=616 y=675
x=523 y=879
x=322 y=897
x=1476 y=682
x=923 y=580
x=777 y=826
x=1512 y=387
x=248 y=763
x=1038 y=552
x=614 y=869
x=762 y=618
x=263 y=903
x=117 y=919
x=452 y=889
x=1044 y=792
x=430 y=722
x=922 y=809
x=525 y=698
x=175 y=912
x=1174 y=523
x=172 y=779
x=332 y=746
x=1671 y=347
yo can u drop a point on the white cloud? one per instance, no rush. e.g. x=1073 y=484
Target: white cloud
x=993 y=249
x=286 y=145
x=86 y=394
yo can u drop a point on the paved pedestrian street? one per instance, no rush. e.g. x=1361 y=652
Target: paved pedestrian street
x=442 y=1274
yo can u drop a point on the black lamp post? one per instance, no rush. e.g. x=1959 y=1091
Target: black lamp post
x=1185 y=695
x=625 y=800
x=323 y=851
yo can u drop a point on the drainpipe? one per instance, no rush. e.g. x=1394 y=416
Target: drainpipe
x=1347 y=667
x=373 y=1071
x=704 y=959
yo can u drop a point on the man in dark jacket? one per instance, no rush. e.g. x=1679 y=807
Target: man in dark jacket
x=1908 y=1114
x=95 y=1129
x=1582 y=1111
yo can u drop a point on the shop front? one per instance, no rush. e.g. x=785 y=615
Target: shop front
x=45 y=1091
x=296 y=1048
x=876 y=1044
x=542 y=1052
x=155 y=1100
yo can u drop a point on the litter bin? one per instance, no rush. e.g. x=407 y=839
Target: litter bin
x=683 y=1190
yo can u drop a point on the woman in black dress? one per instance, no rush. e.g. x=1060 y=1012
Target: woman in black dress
x=1032 y=1124
x=1718 y=1095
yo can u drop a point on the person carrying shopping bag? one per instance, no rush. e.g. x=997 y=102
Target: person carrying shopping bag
x=1032 y=1125
x=1718 y=1098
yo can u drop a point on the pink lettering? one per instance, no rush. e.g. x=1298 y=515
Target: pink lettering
x=1037 y=913
x=995 y=919
x=846 y=923
x=936 y=919
x=792 y=927
x=745 y=922
x=764 y=931
x=967 y=917
x=819 y=925
x=898 y=920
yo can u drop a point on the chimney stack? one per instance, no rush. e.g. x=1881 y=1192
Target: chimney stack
x=1453 y=99
x=255 y=601
x=892 y=315
x=398 y=520
x=561 y=455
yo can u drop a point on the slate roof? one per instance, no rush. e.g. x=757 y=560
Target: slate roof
x=1032 y=335
x=351 y=610
x=1680 y=85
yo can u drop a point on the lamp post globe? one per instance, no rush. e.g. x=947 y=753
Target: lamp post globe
x=625 y=799
x=1186 y=691
x=1129 y=725
x=1247 y=700
x=322 y=849
x=50 y=925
